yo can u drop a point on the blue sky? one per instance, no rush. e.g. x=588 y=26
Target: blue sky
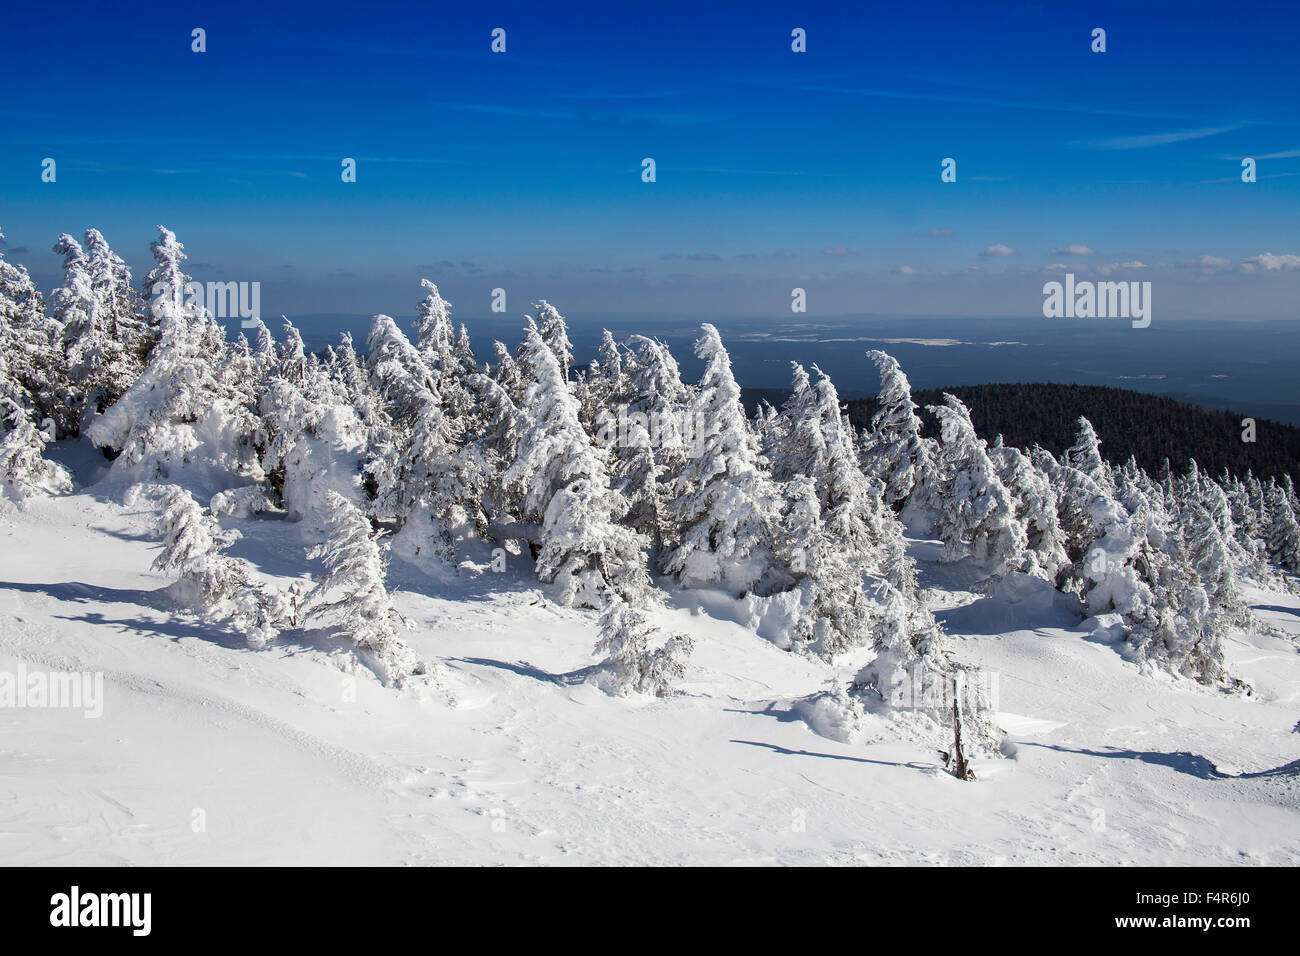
x=774 y=169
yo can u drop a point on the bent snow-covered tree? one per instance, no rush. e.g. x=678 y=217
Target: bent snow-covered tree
x=24 y=470
x=351 y=592
x=631 y=664
x=893 y=450
x=563 y=485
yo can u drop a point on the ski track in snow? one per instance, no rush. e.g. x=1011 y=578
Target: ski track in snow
x=209 y=753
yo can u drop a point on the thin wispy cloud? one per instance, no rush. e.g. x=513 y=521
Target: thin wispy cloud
x=1155 y=139
x=996 y=102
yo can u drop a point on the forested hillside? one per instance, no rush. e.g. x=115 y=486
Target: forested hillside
x=1148 y=427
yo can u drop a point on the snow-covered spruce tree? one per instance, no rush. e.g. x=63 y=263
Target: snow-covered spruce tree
x=1140 y=566
x=1085 y=456
x=178 y=413
x=654 y=435
x=977 y=515
x=440 y=485
x=1211 y=556
x=1174 y=629
x=315 y=442
x=431 y=482
x=361 y=605
x=447 y=357
x=1036 y=508
x=210 y=581
x=817 y=441
x=74 y=309
x=555 y=333
x=506 y=373
x=725 y=510
x=31 y=365
x=121 y=325
x=24 y=471
x=1101 y=541
x=893 y=450
x=1283 y=530
x=836 y=612
x=637 y=659
x=562 y=484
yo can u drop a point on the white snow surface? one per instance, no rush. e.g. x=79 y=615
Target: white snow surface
x=507 y=755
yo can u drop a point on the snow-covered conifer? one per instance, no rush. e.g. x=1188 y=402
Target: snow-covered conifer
x=725 y=507
x=24 y=471
x=977 y=516
x=893 y=450
x=178 y=413
x=561 y=483
x=1283 y=530
x=1036 y=508
x=193 y=548
x=555 y=333
x=1085 y=456
x=351 y=592
x=632 y=664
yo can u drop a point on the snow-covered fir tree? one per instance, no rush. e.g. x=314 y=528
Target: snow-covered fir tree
x=1283 y=530
x=555 y=333
x=178 y=413
x=351 y=593
x=315 y=442
x=978 y=517
x=893 y=450
x=25 y=472
x=209 y=581
x=32 y=366
x=726 y=507
x=1036 y=508
x=637 y=658
x=563 y=486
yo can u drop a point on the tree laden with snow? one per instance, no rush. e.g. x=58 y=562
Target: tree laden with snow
x=178 y=413
x=637 y=659
x=977 y=517
x=210 y=581
x=562 y=484
x=725 y=510
x=24 y=470
x=1283 y=531
x=1037 y=505
x=361 y=606
x=893 y=450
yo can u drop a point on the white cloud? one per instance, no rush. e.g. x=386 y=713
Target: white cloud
x=1208 y=265
x=1074 y=249
x=1270 y=263
x=997 y=249
x=1110 y=267
x=905 y=271
x=838 y=251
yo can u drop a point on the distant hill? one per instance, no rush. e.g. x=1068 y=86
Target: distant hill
x=1148 y=427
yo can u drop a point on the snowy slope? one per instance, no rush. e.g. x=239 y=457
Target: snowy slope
x=508 y=756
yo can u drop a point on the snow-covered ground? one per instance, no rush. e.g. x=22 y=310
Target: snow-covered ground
x=210 y=753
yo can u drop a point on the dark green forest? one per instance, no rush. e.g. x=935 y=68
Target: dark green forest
x=1151 y=428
